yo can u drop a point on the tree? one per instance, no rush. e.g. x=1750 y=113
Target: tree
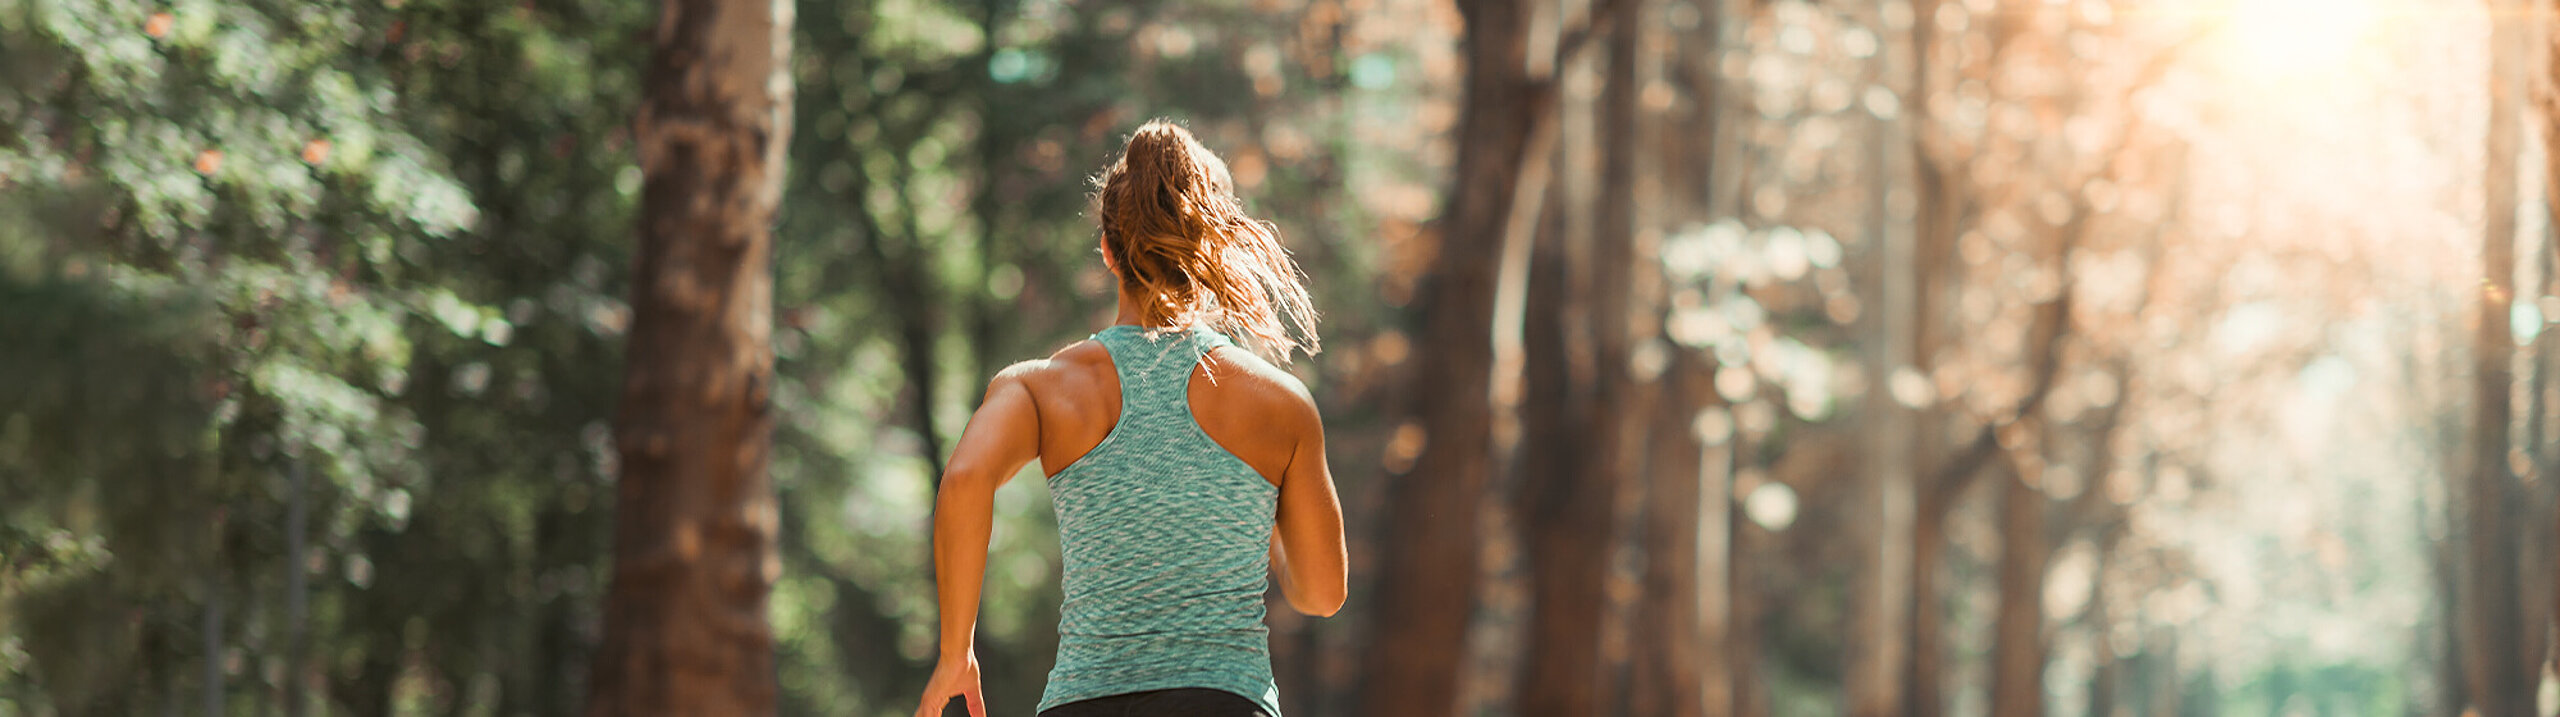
x=1679 y=630
x=2548 y=354
x=1579 y=403
x=1427 y=574
x=1678 y=668
x=2017 y=681
x=1881 y=604
x=2490 y=621
x=685 y=629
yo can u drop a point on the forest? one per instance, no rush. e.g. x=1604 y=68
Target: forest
x=1682 y=358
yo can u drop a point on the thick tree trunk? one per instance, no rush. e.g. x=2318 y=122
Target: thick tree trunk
x=2500 y=683
x=1576 y=409
x=694 y=558
x=1559 y=669
x=1428 y=570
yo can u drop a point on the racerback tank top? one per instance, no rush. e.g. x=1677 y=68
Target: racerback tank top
x=1166 y=538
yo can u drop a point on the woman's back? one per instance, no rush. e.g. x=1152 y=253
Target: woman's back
x=1189 y=474
x=1233 y=396
x=1166 y=533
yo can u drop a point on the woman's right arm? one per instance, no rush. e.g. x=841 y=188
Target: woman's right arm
x=1308 y=557
x=1001 y=438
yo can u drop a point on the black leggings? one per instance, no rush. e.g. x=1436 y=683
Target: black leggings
x=1182 y=702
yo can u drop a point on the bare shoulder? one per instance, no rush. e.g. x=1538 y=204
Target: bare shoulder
x=1261 y=384
x=1068 y=369
x=1087 y=353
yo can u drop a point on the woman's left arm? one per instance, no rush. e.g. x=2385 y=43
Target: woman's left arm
x=1000 y=439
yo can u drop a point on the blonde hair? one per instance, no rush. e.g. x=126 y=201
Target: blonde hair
x=1172 y=225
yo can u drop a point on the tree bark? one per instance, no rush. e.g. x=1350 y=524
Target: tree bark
x=1574 y=413
x=1679 y=667
x=2490 y=623
x=1427 y=581
x=1559 y=667
x=694 y=534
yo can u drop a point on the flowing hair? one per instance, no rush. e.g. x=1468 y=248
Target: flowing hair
x=1184 y=247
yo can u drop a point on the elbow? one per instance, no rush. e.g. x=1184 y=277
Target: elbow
x=1323 y=609
x=1319 y=602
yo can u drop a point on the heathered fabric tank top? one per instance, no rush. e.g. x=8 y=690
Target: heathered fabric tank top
x=1167 y=540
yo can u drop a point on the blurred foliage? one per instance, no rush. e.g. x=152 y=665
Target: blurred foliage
x=364 y=238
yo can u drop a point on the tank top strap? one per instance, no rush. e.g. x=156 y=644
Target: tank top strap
x=1154 y=365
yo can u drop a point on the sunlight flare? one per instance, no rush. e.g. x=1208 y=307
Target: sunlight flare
x=2298 y=39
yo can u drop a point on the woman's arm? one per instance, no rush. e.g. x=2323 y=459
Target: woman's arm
x=1000 y=439
x=1307 y=553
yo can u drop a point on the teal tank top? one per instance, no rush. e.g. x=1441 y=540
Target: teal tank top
x=1166 y=537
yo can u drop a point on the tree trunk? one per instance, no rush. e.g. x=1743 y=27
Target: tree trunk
x=1928 y=613
x=2534 y=494
x=1880 y=601
x=2550 y=501
x=1679 y=670
x=2499 y=681
x=1574 y=412
x=2017 y=681
x=694 y=560
x=1679 y=666
x=1559 y=668
x=1932 y=247
x=1749 y=609
x=1428 y=570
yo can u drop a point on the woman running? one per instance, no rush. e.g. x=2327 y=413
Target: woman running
x=1188 y=473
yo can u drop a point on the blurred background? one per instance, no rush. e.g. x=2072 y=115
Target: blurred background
x=1682 y=357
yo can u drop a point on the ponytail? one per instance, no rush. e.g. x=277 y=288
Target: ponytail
x=1184 y=247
